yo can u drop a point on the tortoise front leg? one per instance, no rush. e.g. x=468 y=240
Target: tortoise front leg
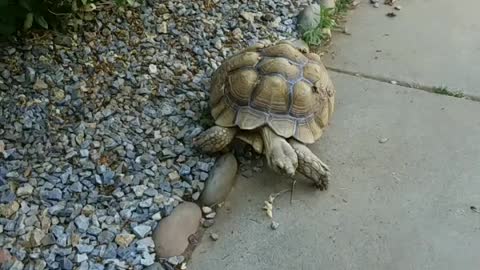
x=310 y=165
x=279 y=153
x=215 y=139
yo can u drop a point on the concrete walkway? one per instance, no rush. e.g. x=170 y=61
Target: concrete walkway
x=402 y=204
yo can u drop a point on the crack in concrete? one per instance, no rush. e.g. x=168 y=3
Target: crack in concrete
x=412 y=85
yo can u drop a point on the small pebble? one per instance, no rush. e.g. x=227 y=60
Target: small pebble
x=383 y=140
x=274 y=225
x=98 y=130
x=152 y=69
x=142 y=230
x=214 y=236
x=207 y=223
x=206 y=210
x=211 y=215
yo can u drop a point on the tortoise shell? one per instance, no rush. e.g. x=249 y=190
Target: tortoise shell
x=280 y=85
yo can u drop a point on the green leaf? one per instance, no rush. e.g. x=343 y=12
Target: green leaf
x=131 y=2
x=3 y=3
x=27 y=24
x=84 y=2
x=41 y=21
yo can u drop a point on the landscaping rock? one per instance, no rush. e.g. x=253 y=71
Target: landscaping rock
x=97 y=126
x=221 y=180
x=171 y=235
x=124 y=239
x=25 y=190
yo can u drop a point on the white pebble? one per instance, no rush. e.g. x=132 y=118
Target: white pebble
x=211 y=215
x=152 y=69
x=206 y=210
x=214 y=236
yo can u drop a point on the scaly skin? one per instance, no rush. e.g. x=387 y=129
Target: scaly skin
x=279 y=153
x=310 y=165
x=215 y=139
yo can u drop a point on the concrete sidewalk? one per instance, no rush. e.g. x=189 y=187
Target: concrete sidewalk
x=402 y=204
x=429 y=42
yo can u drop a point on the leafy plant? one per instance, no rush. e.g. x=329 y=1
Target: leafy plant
x=443 y=90
x=44 y=14
x=316 y=35
x=328 y=19
x=341 y=6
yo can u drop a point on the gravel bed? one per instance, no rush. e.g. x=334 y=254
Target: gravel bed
x=96 y=127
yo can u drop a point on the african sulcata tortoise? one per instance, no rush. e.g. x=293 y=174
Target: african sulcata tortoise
x=278 y=98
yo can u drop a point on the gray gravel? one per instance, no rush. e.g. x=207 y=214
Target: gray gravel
x=96 y=128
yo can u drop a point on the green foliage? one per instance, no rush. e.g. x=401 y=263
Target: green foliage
x=341 y=6
x=443 y=90
x=44 y=14
x=316 y=35
x=328 y=20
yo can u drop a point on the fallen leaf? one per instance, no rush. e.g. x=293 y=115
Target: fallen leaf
x=391 y=14
x=269 y=204
x=269 y=209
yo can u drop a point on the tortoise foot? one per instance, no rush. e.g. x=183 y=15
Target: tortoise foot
x=311 y=166
x=279 y=153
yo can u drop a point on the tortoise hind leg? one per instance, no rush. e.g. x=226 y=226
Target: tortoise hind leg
x=310 y=165
x=215 y=139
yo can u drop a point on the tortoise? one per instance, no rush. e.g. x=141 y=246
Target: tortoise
x=276 y=97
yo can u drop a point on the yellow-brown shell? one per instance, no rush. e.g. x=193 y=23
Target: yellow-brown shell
x=277 y=85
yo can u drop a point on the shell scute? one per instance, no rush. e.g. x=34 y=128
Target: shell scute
x=276 y=85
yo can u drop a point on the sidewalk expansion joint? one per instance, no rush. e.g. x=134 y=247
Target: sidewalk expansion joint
x=431 y=89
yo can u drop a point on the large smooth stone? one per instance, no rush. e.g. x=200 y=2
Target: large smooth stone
x=171 y=234
x=308 y=18
x=220 y=181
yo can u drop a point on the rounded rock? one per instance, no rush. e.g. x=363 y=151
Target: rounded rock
x=221 y=180
x=171 y=234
